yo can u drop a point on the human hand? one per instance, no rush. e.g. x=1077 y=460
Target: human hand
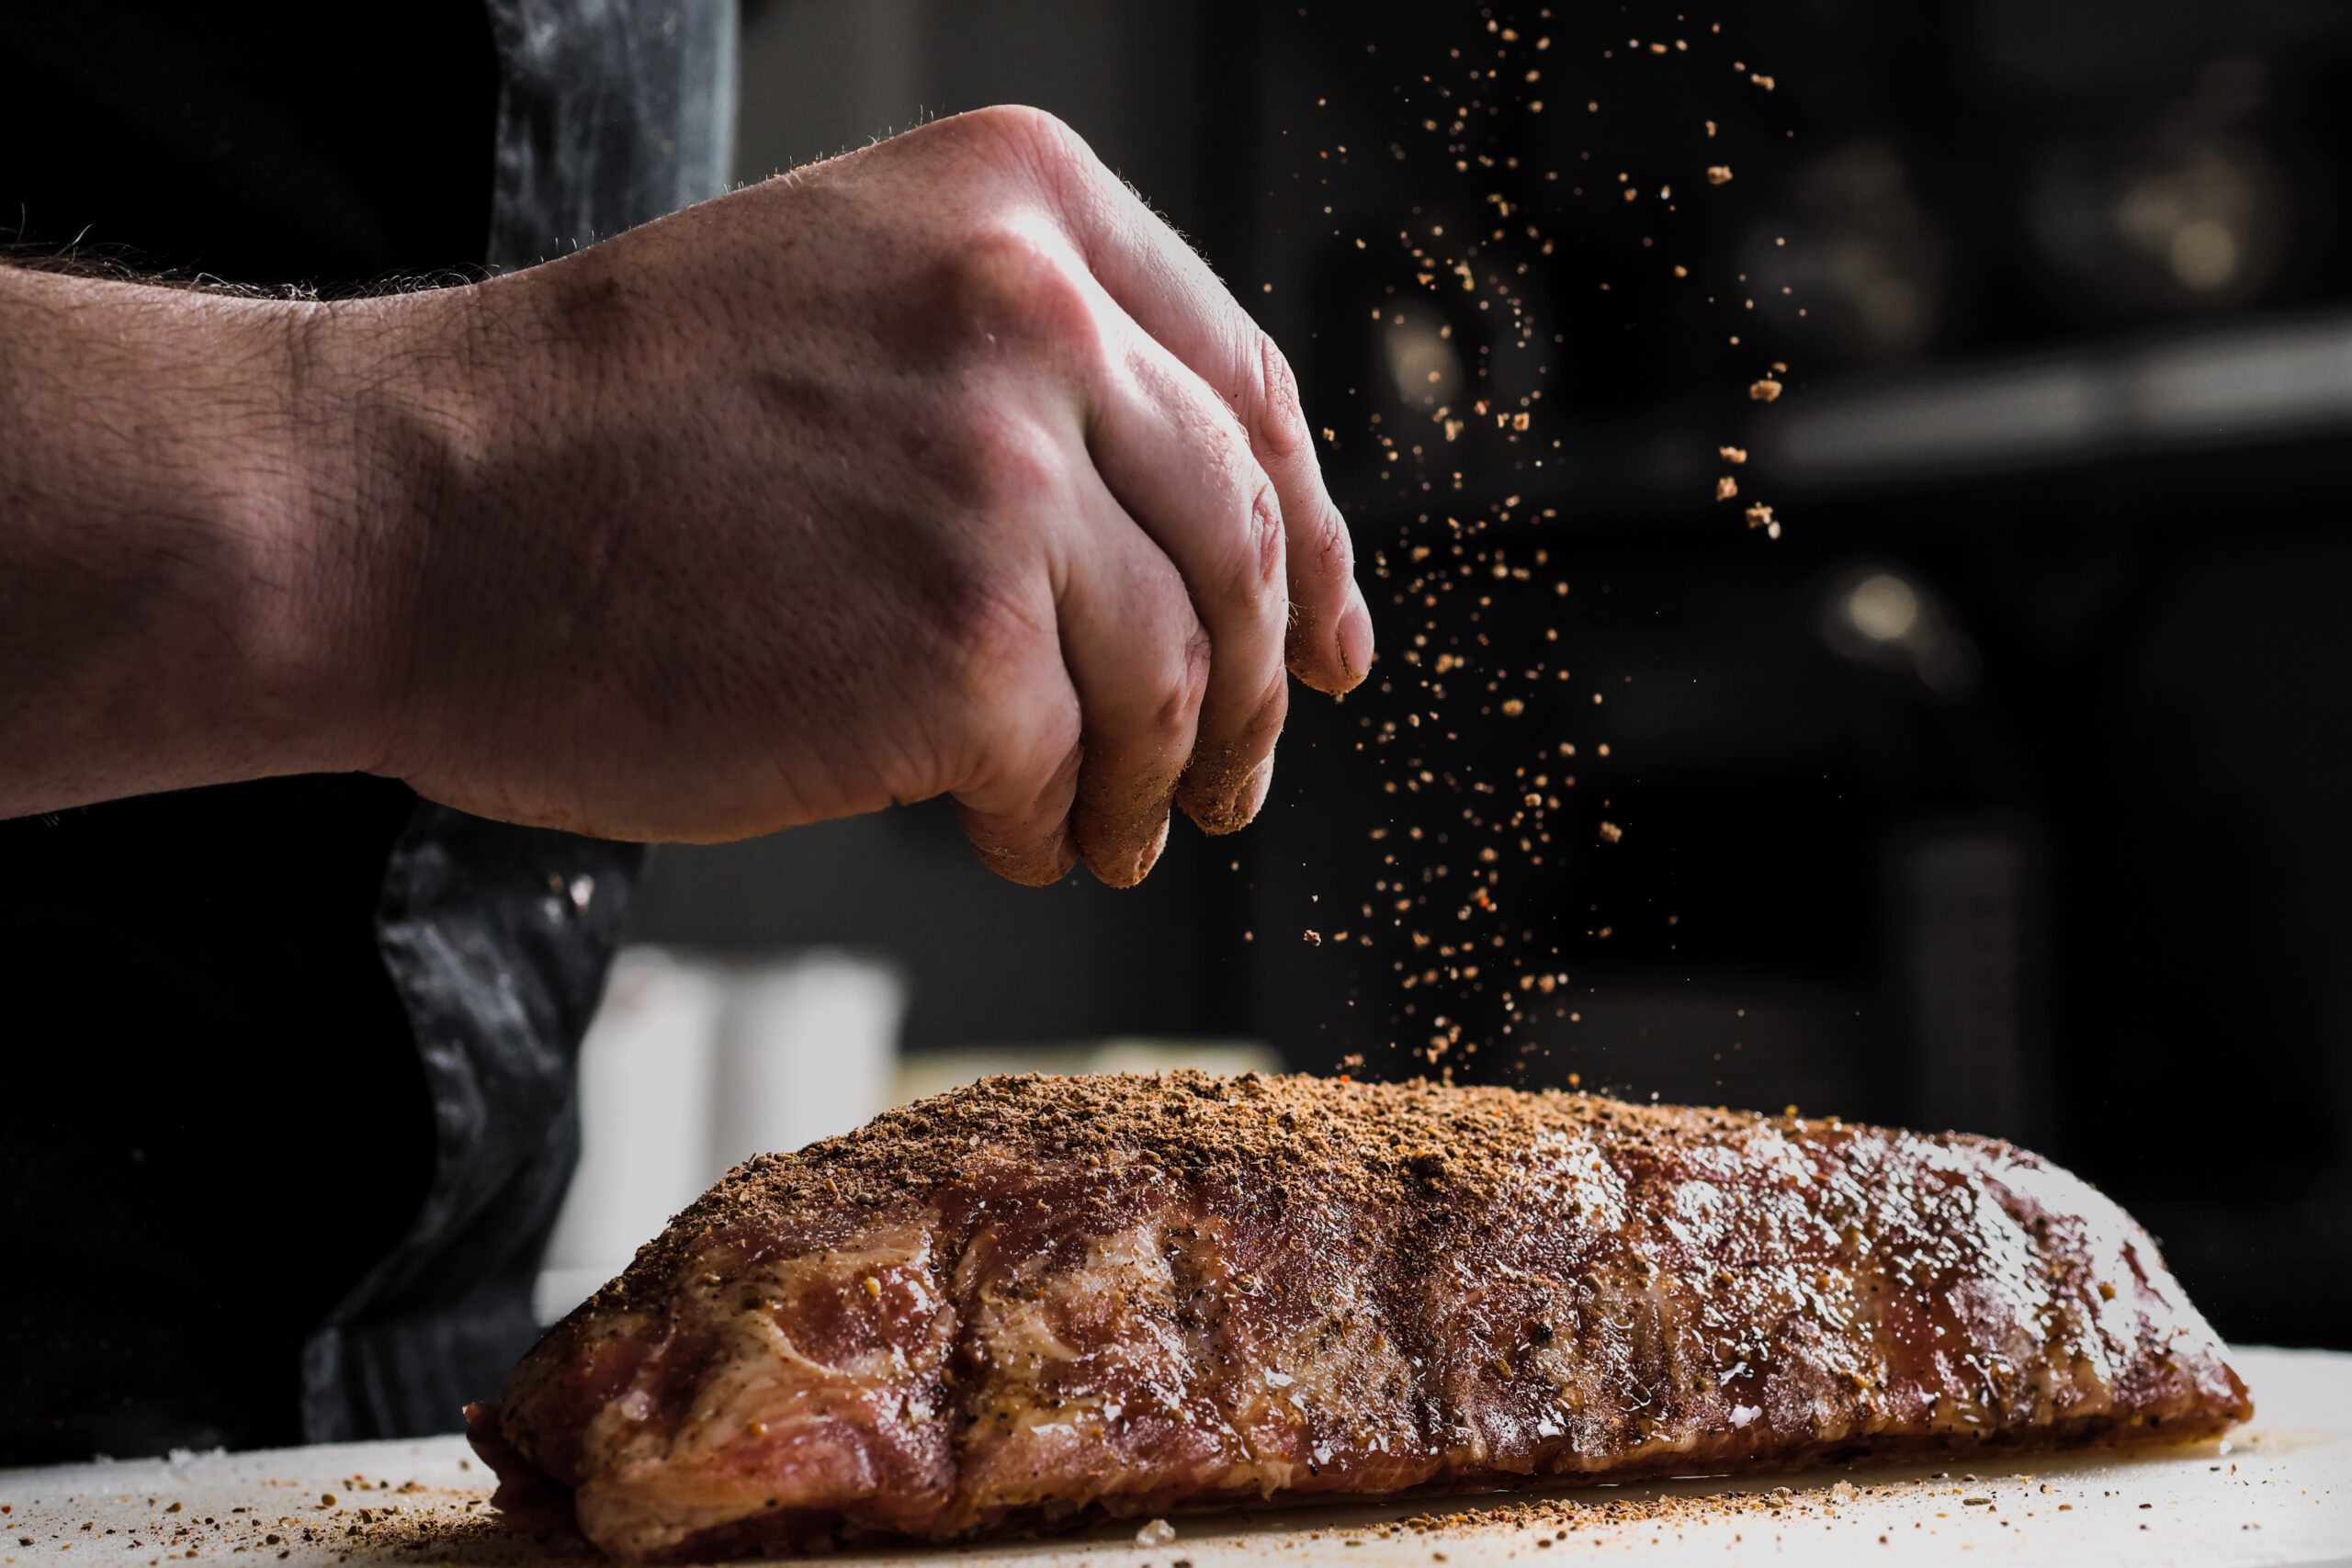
x=944 y=466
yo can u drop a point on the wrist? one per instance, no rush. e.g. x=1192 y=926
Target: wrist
x=397 y=404
x=188 y=518
x=303 y=496
x=341 y=530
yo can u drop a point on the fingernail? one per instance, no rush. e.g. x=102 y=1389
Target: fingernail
x=1353 y=636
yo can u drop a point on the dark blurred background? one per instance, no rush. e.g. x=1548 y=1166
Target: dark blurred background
x=2005 y=790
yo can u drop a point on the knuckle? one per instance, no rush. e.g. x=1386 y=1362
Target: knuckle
x=1265 y=546
x=1330 y=556
x=993 y=460
x=1246 y=564
x=1021 y=288
x=1251 y=580
x=1183 y=682
x=1282 y=418
x=1024 y=474
x=1026 y=133
x=1265 y=723
x=1040 y=147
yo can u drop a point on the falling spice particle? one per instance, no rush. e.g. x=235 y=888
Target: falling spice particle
x=1733 y=454
x=1726 y=488
x=1766 y=390
x=1718 y=174
x=1312 y=938
x=1610 y=832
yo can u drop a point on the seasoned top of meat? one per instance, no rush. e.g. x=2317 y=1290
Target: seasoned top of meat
x=1036 y=1296
x=1369 y=1142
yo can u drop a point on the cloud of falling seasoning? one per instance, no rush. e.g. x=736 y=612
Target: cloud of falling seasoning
x=1454 y=883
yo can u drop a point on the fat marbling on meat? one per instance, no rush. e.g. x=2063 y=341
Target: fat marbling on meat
x=1037 y=1300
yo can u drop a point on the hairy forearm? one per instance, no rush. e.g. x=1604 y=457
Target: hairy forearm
x=179 y=477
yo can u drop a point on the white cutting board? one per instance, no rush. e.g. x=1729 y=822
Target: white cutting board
x=2281 y=1493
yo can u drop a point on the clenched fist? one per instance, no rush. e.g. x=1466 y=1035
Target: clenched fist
x=940 y=467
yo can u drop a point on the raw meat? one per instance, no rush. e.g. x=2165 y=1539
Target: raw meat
x=1037 y=1300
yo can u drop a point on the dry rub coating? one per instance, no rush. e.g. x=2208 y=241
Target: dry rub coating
x=1038 y=1298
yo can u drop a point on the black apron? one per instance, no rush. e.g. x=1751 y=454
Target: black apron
x=288 y=1106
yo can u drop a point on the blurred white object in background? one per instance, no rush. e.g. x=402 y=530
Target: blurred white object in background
x=808 y=1049
x=645 y=1072
x=693 y=1066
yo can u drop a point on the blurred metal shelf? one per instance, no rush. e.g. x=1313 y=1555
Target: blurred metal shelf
x=2247 y=384
x=2208 y=395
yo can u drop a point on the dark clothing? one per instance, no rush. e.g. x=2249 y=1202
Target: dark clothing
x=256 y=142
x=290 y=1109
x=613 y=112
x=289 y=1105
x=496 y=939
x=216 y=1117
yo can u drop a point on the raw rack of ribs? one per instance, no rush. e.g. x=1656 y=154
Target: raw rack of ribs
x=1039 y=1298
